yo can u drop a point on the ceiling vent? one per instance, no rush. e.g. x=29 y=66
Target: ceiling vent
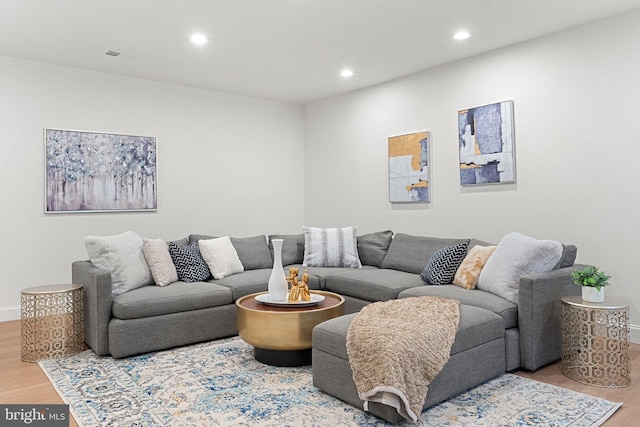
x=112 y=53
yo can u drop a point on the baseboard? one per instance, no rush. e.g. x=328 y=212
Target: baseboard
x=9 y=313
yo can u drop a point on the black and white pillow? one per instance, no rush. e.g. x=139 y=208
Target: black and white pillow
x=443 y=264
x=189 y=263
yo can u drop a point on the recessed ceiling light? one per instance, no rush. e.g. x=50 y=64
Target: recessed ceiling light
x=346 y=73
x=198 y=39
x=461 y=35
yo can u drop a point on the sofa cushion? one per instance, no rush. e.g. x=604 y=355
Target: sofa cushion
x=221 y=257
x=319 y=274
x=253 y=252
x=410 y=253
x=569 y=253
x=477 y=298
x=156 y=253
x=373 y=247
x=123 y=257
x=177 y=297
x=197 y=237
x=469 y=270
x=443 y=264
x=245 y=283
x=517 y=255
x=477 y=326
x=372 y=284
x=292 y=247
x=188 y=262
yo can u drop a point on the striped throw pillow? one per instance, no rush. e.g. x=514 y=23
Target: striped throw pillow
x=330 y=247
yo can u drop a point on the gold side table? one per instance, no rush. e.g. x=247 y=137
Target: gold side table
x=52 y=321
x=595 y=342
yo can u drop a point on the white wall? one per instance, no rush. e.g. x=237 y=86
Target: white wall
x=576 y=98
x=223 y=165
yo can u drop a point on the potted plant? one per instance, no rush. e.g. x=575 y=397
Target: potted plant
x=592 y=281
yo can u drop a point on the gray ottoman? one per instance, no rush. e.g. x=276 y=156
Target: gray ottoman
x=477 y=355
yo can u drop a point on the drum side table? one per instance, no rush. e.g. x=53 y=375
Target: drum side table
x=52 y=321
x=595 y=342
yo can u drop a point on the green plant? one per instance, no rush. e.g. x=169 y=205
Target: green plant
x=590 y=276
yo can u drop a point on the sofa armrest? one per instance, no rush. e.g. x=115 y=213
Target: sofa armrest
x=97 y=304
x=540 y=317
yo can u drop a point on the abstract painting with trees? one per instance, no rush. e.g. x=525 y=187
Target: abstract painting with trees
x=94 y=171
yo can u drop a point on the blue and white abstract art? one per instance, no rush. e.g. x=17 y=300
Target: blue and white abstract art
x=93 y=171
x=487 y=144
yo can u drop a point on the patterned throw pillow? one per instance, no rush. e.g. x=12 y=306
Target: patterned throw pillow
x=443 y=264
x=188 y=262
x=330 y=247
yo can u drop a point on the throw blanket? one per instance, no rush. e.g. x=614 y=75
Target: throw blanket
x=397 y=347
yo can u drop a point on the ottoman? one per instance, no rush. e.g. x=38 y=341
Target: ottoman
x=477 y=355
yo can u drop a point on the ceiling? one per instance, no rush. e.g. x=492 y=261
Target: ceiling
x=287 y=50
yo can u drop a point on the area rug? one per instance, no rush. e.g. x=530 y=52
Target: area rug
x=219 y=383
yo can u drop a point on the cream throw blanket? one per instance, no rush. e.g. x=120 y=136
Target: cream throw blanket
x=397 y=347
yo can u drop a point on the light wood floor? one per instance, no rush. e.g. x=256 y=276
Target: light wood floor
x=25 y=383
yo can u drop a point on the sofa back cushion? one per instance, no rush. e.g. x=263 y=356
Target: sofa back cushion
x=253 y=252
x=411 y=253
x=292 y=248
x=569 y=253
x=373 y=247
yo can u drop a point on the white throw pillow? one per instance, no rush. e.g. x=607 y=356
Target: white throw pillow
x=122 y=256
x=221 y=257
x=156 y=252
x=330 y=247
x=516 y=256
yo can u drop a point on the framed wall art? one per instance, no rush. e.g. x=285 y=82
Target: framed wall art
x=409 y=168
x=487 y=144
x=99 y=172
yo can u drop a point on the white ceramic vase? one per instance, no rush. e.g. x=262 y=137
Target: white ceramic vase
x=591 y=294
x=278 y=286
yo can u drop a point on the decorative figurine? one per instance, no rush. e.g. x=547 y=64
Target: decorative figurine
x=294 y=292
x=304 y=287
x=299 y=290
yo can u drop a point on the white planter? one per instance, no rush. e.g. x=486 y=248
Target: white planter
x=591 y=294
x=278 y=286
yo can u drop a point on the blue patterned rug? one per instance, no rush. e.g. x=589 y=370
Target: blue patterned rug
x=219 y=383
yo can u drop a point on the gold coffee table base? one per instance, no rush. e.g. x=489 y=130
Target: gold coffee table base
x=595 y=342
x=52 y=321
x=281 y=336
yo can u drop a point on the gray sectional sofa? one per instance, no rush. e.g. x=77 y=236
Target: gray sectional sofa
x=525 y=334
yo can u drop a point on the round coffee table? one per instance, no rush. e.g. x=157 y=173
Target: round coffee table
x=281 y=336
